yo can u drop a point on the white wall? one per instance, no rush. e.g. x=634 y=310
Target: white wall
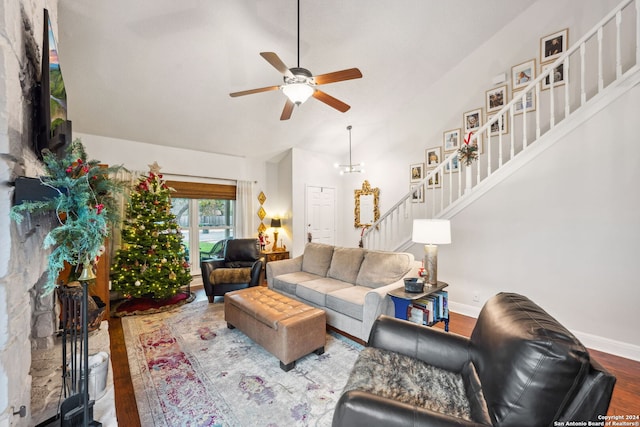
x=390 y=146
x=310 y=169
x=174 y=161
x=564 y=231
x=279 y=198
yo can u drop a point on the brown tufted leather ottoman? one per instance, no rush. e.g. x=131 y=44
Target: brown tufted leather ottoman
x=283 y=326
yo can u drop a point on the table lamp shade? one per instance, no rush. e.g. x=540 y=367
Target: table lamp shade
x=431 y=231
x=276 y=223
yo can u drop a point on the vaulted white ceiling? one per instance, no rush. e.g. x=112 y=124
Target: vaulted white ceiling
x=160 y=71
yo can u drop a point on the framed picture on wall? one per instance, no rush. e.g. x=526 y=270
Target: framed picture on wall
x=496 y=98
x=451 y=140
x=472 y=120
x=433 y=156
x=416 y=172
x=557 y=76
x=434 y=181
x=417 y=193
x=523 y=74
x=553 y=45
x=453 y=165
x=496 y=129
x=528 y=103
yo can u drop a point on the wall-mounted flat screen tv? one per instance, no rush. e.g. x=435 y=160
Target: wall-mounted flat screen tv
x=54 y=130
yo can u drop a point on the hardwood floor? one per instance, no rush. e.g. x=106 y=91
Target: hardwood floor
x=125 y=398
x=625 y=400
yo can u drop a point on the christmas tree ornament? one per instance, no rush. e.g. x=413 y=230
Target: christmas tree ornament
x=152 y=261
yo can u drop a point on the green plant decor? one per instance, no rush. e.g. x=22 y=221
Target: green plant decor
x=85 y=207
x=152 y=261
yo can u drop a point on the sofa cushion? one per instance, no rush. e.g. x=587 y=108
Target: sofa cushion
x=345 y=264
x=538 y=362
x=317 y=258
x=288 y=283
x=381 y=268
x=315 y=291
x=349 y=301
x=410 y=381
x=230 y=275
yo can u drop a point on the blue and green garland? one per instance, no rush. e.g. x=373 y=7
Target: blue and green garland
x=85 y=208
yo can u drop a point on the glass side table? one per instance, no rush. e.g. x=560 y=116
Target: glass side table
x=402 y=300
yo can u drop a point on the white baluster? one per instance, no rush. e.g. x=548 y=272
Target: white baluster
x=524 y=121
x=583 y=92
x=618 y=45
x=500 y=125
x=600 y=72
x=552 y=103
x=488 y=150
x=565 y=75
x=637 y=32
x=538 y=110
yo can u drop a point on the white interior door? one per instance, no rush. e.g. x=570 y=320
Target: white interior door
x=321 y=214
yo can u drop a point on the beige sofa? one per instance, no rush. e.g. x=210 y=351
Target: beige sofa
x=349 y=284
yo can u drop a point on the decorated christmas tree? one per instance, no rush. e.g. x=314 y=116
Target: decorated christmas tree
x=151 y=262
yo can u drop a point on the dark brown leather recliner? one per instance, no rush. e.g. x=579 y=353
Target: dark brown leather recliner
x=240 y=268
x=519 y=368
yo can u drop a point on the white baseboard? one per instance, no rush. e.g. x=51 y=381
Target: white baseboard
x=617 y=348
x=607 y=345
x=464 y=309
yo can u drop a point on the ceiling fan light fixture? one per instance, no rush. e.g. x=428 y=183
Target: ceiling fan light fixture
x=298 y=93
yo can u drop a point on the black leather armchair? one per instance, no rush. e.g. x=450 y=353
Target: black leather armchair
x=240 y=268
x=519 y=368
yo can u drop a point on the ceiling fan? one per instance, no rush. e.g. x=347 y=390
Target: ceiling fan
x=300 y=83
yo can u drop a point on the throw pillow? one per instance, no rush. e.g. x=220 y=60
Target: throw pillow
x=317 y=258
x=345 y=264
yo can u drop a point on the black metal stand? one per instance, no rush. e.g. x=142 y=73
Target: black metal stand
x=76 y=410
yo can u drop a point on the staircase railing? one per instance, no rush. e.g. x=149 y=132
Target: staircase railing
x=599 y=60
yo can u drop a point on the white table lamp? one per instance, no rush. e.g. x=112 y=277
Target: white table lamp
x=431 y=232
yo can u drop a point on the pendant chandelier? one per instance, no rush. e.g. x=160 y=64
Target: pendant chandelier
x=351 y=167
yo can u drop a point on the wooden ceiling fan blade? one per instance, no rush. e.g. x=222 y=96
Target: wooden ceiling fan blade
x=277 y=63
x=288 y=109
x=251 y=91
x=330 y=101
x=338 y=76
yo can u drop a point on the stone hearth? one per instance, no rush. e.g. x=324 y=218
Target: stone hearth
x=46 y=387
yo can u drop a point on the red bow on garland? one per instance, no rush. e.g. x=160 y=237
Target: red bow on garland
x=468 y=152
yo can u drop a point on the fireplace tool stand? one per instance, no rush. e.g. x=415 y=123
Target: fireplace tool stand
x=76 y=409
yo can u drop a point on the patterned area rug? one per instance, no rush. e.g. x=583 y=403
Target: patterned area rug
x=189 y=369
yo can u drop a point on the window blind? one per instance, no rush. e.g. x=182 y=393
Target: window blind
x=198 y=190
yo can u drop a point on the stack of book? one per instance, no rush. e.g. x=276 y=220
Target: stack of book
x=429 y=309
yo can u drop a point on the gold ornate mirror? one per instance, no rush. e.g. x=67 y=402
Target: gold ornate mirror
x=366 y=211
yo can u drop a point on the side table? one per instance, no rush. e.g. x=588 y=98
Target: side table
x=272 y=256
x=402 y=300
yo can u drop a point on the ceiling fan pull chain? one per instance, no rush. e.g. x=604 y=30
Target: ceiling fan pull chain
x=298 y=33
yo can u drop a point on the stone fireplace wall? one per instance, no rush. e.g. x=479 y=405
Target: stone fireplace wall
x=23 y=313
